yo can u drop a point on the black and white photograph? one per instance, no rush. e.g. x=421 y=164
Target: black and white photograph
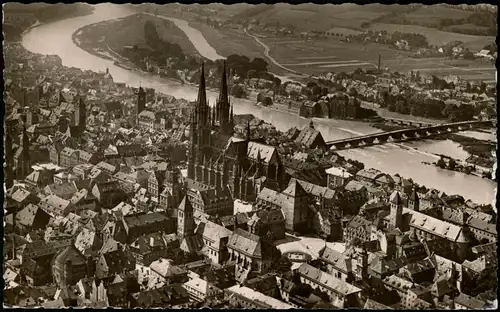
x=250 y=156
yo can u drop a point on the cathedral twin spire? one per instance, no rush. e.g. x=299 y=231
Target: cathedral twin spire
x=202 y=110
x=221 y=114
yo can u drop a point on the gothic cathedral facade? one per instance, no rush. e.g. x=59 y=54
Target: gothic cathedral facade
x=217 y=160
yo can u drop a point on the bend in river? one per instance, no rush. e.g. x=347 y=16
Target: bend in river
x=405 y=159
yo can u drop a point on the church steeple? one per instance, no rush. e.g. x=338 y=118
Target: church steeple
x=223 y=106
x=223 y=97
x=201 y=102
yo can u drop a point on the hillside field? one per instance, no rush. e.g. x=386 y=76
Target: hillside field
x=307 y=17
x=437 y=37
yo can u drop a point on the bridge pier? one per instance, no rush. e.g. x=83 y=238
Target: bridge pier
x=396 y=136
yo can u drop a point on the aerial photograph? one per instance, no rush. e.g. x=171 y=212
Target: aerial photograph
x=250 y=156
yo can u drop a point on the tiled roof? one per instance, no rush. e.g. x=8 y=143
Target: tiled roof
x=153 y=242
x=395 y=198
x=192 y=243
x=271 y=196
x=338 y=171
x=369 y=173
x=62 y=190
x=438 y=227
x=490 y=248
x=245 y=242
x=307 y=136
x=213 y=232
x=56 y=203
x=266 y=152
x=258 y=297
x=354 y=186
x=419 y=266
x=381 y=265
x=87 y=240
x=20 y=195
x=317 y=190
x=69 y=253
x=160 y=297
x=469 y=302
x=142 y=219
x=326 y=280
x=483 y=226
x=294 y=189
x=358 y=221
x=374 y=305
x=337 y=259
x=397 y=282
x=166 y=269
x=27 y=215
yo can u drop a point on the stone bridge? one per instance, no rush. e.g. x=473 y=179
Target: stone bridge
x=407 y=134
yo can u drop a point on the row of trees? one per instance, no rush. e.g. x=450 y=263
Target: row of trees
x=241 y=65
x=486 y=20
x=419 y=105
x=414 y=40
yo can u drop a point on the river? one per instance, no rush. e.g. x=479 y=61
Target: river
x=405 y=159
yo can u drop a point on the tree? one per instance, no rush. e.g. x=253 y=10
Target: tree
x=237 y=91
x=311 y=84
x=441 y=163
x=317 y=90
x=294 y=94
x=452 y=164
x=468 y=55
x=267 y=101
x=259 y=64
x=239 y=63
x=252 y=73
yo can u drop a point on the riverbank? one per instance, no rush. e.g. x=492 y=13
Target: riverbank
x=481 y=151
x=455 y=165
x=105 y=52
x=55 y=39
x=100 y=48
x=15 y=29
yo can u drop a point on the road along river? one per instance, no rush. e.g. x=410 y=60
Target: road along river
x=405 y=159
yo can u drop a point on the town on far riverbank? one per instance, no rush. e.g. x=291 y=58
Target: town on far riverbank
x=360 y=95
x=118 y=192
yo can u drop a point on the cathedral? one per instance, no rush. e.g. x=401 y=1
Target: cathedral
x=217 y=160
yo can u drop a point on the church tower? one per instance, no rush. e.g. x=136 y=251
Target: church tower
x=414 y=201
x=201 y=131
x=203 y=113
x=185 y=219
x=223 y=106
x=396 y=214
x=83 y=115
x=141 y=101
x=23 y=164
x=80 y=114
